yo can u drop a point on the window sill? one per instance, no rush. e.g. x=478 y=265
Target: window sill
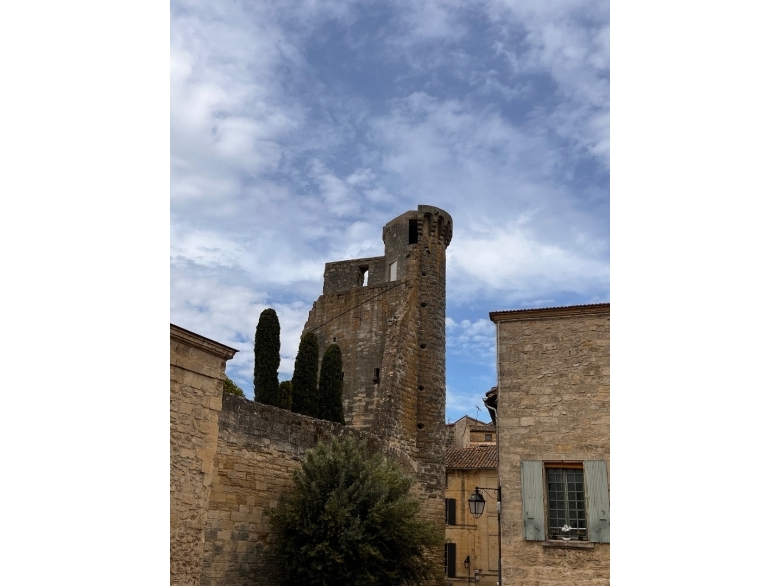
x=568 y=544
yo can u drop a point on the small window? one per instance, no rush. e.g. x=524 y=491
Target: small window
x=364 y=275
x=393 y=270
x=449 y=505
x=412 y=231
x=449 y=559
x=376 y=375
x=566 y=504
x=488 y=437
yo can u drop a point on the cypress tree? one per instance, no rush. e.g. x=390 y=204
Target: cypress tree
x=331 y=385
x=267 y=349
x=304 y=380
x=285 y=392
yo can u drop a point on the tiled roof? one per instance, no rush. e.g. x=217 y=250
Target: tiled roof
x=475 y=457
x=562 y=311
x=555 y=307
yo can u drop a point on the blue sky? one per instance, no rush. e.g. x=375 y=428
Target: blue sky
x=298 y=129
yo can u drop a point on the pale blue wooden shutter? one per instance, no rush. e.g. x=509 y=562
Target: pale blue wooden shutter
x=597 y=491
x=533 y=500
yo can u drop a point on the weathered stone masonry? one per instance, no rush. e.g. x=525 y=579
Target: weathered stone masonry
x=231 y=459
x=259 y=447
x=391 y=333
x=197 y=372
x=553 y=406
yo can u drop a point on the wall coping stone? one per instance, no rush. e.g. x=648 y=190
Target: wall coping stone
x=548 y=312
x=202 y=343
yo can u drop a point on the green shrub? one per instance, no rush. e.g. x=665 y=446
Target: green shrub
x=351 y=520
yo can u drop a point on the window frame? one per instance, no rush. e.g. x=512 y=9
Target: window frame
x=534 y=498
x=451 y=560
x=546 y=499
x=453 y=510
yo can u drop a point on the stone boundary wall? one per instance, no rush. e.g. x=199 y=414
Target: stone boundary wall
x=258 y=448
x=197 y=372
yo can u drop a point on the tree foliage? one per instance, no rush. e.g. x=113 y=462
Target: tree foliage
x=285 y=392
x=267 y=358
x=232 y=388
x=331 y=384
x=351 y=520
x=305 y=399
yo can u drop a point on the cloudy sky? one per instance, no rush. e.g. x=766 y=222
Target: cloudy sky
x=299 y=128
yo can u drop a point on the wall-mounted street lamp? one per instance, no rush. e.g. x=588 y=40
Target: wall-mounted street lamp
x=467 y=561
x=477 y=501
x=476 y=508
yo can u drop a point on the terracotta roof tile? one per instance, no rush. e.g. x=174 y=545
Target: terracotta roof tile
x=554 y=307
x=474 y=457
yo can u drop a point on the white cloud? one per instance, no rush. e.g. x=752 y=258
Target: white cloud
x=472 y=340
x=299 y=128
x=510 y=266
x=569 y=41
x=466 y=403
x=229 y=314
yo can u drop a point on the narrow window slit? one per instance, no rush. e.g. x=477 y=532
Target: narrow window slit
x=412 y=231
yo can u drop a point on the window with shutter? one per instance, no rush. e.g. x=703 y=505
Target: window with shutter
x=565 y=501
x=449 y=559
x=450 y=511
x=597 y=489
x=533 y=500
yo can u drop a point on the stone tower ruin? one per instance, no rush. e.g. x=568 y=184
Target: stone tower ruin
x=387 y=315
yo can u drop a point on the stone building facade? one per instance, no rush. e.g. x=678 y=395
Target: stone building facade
x=459 y=432
x=553 y=425
x=197 y=372
x=471 y=462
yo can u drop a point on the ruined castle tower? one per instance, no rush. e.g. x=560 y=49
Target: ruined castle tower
x=387 y=315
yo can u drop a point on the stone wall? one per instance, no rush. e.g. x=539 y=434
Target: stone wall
x=197 y=372
x=259 y=447
x=553 y=406
x=348 y=274
x=357 y=320
x=458 y=433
